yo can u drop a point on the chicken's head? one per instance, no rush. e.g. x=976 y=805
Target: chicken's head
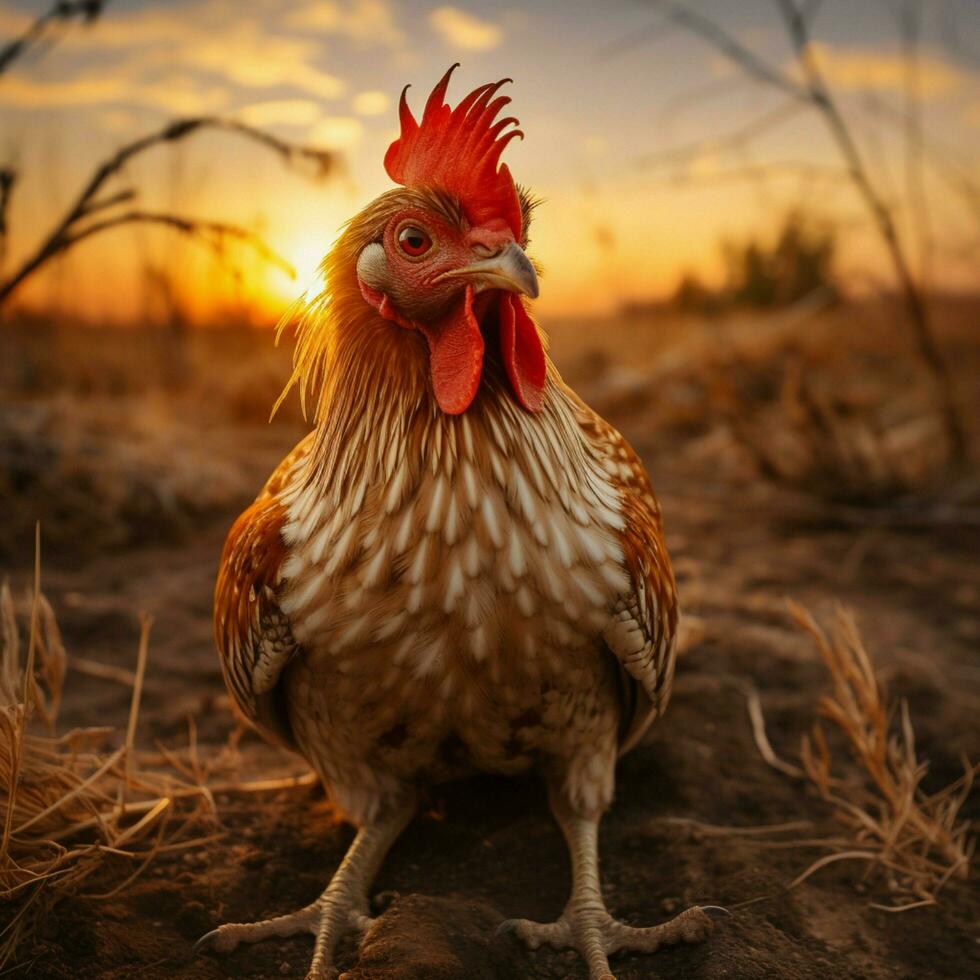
x=446 y=251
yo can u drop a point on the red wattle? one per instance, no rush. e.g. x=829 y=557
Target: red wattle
x=455 y=356
x=522 y=353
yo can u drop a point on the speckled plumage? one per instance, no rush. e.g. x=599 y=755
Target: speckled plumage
x=457 y=596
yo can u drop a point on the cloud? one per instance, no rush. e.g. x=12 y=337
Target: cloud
x=363 y=20
x=882 y=71
x=249 y=58
x=177 y=95
x=281 y=112
x=238 y=48
x=261 y=45
x=462 y=30
x=370 y=103
x=336 y=132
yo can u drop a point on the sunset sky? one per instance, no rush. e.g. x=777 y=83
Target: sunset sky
x=621 y=217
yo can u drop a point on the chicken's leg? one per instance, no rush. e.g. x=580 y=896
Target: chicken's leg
x=342 y=906
x=585 y=925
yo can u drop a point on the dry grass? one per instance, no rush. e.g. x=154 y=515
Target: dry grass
x=826 y=402
x=102 y=474
x=223 y=374
x=859 y=446
x=913 y=841
x=100 y=443
x=71 y=802
x=85 y=807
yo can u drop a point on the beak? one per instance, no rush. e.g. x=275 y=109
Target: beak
x=509 y=269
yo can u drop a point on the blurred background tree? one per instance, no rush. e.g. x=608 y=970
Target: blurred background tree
x=759 y=279
x=767 y=273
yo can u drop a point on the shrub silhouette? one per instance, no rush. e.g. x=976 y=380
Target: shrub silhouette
x=767 y=275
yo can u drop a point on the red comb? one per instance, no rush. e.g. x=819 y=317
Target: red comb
x=458 y=150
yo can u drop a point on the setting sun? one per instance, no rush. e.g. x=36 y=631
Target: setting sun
x=306 y=252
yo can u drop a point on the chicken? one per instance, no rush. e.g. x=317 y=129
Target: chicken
x=462 y=567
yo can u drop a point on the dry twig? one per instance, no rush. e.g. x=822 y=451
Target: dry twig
x=916 y=841
x=809 y=87
x=7 y=178
x=55 y=788
x=62 y=11
x=69 y=803
x=77 y=224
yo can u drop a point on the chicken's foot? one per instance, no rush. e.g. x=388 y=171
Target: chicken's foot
x=586 y=926
x=342 y=907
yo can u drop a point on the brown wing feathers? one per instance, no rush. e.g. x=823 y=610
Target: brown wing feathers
x=252 y=634
x=642 y=635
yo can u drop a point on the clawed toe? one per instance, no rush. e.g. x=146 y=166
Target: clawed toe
x=694 y=925
x=595 y=934
x=310 y=919
x=715 y=911
x=205 y=941
x=342 y=907
x=226 y=937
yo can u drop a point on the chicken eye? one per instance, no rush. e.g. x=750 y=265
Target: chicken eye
x=414 y=241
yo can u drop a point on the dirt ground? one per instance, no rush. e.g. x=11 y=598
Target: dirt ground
x=487 y=849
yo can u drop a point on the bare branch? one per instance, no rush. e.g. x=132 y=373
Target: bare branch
x=734 y=139
x=325 y=161
x=63 y=11
x=809 y=11
x=7 y=178
x=796 y=24
x=941 y=156
x=70 y=230
x=915 y=305
x=813 y=90
x=730 y=47
x=910 y=27
x=628 y=42
x=123 y=197
x=214 y=233
x=712 y=89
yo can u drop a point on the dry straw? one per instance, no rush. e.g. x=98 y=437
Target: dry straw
x=73 y=804
x=915 y=841
x=63 y=798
